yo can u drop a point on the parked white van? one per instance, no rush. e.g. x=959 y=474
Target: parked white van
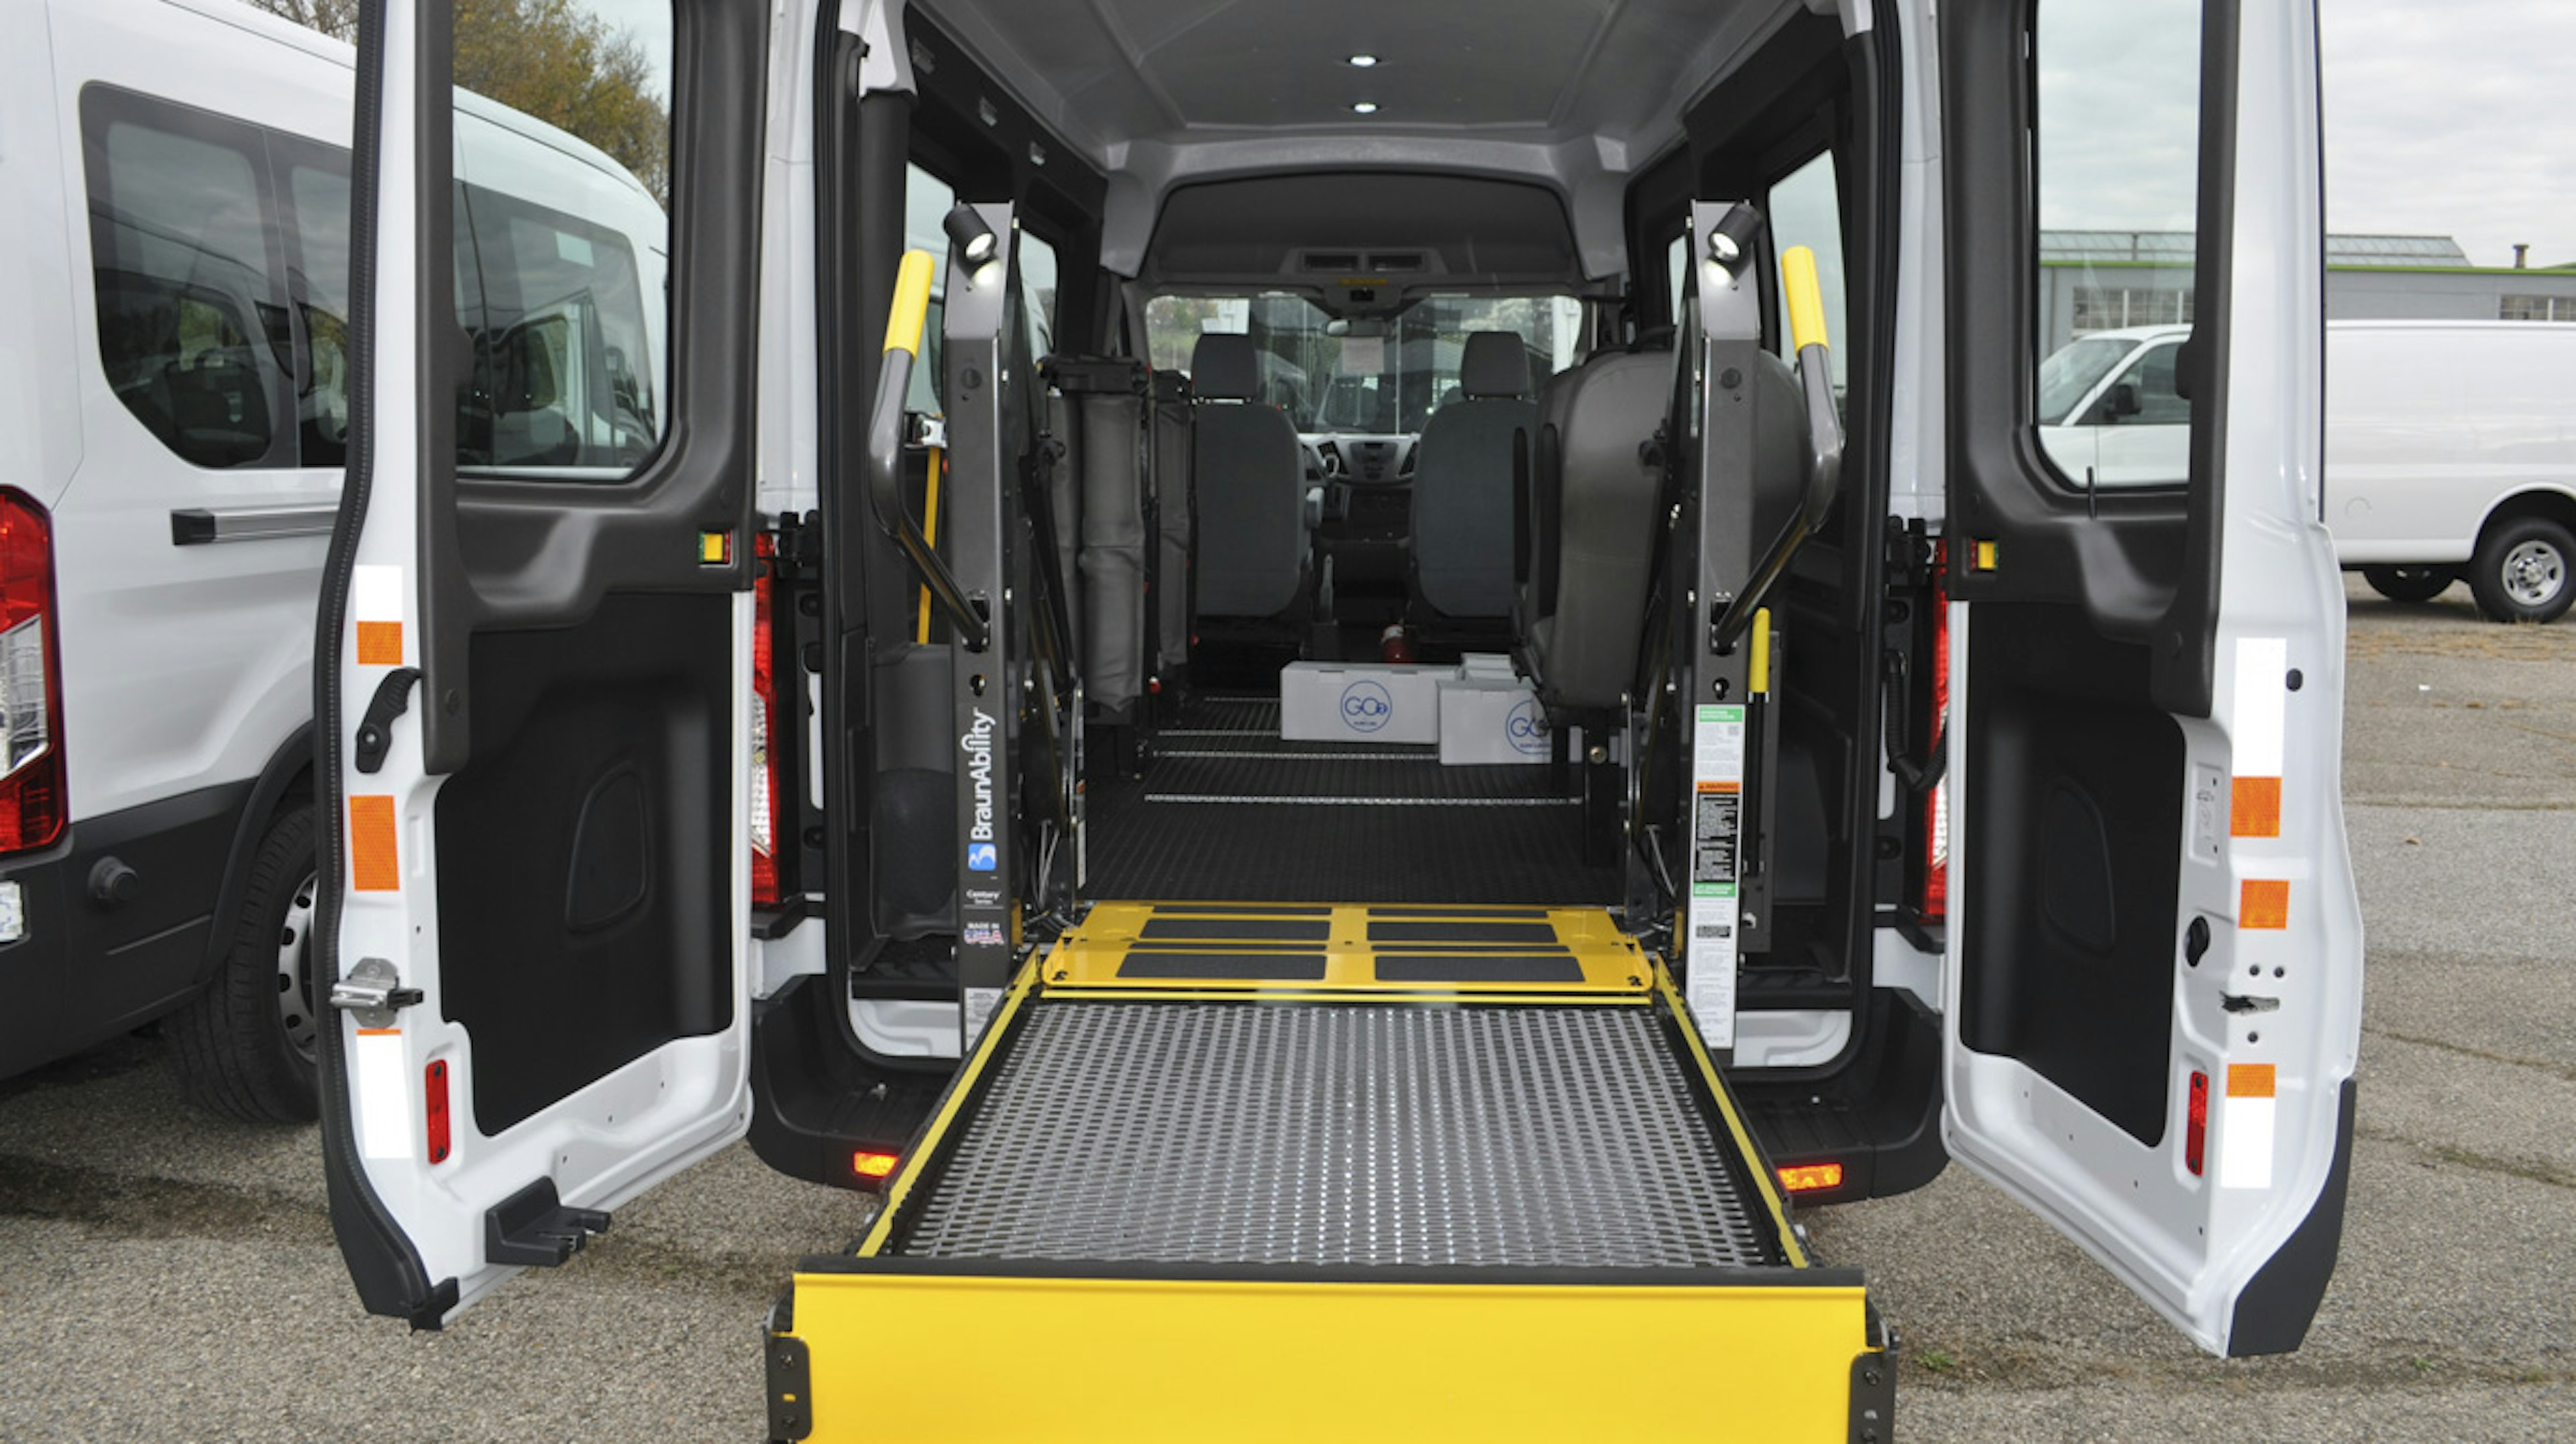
x=2450 y=448
x=175 y=384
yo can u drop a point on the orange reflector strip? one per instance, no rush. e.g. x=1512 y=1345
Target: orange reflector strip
x=380 y=644
x=371 y=845
x=715 y=548
x=2254 y=808
x=2263 y=903
x=1986 y=556
x=2250 y=1080
x=873 y=1165
x=1808 y=1177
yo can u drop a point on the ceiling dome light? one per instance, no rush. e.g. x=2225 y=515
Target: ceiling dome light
x=1363 y=61
x=1364 y=107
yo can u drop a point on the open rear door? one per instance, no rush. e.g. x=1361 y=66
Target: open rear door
x=2154 y=989
x=533 y=664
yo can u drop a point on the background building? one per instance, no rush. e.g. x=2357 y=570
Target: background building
x=2101 y=280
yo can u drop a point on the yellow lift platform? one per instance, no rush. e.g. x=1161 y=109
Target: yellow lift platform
x=1266 y=1171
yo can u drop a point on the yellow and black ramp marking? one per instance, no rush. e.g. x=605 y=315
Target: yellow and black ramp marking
x=1284 y=1184
x=1163 y=946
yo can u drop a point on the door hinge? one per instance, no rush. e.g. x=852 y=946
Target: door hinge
x=374 y=992
x=791 y=1386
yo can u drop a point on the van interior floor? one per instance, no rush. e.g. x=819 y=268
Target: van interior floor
x=1226 y=810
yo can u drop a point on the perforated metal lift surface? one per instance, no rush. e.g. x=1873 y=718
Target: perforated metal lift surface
x=1244 y=1111
x=1275 y=1172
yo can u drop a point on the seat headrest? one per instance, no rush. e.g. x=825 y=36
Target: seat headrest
x=1495 y=363
x=1224 y=367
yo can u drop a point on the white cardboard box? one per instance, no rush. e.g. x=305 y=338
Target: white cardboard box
x=1360 y=702
x=1486 y=720
x=1495 y=665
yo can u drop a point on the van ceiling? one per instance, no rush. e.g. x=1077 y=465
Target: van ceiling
x=1569 y=92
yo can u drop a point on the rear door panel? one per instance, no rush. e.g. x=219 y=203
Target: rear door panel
x=534 y=691
x=2155 y=958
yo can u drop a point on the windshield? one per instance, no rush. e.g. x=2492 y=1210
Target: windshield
x=1382 y=376
x=2065 y=377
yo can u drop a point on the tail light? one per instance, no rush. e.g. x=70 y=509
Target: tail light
x=1811 y=1177
x=764 y=726
x=1934 y=904
x=32 y=809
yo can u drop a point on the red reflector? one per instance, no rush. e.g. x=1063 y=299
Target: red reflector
x=435 y=1088
x=1934 y=904
x=874 y=1165
x=764 y=756
x=1808 y=1177
x=2195 y=1134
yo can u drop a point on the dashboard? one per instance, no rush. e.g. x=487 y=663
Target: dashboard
x=1359 y=459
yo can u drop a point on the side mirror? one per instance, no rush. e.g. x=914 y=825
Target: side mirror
x=2122 y=403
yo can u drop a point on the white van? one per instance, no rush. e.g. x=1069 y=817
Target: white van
x=2450 y=448
x=1930 y=806
x=174 y=213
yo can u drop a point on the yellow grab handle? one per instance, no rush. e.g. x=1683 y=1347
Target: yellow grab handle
x=1806 y=298
x=912 y=303
x=1758 y=672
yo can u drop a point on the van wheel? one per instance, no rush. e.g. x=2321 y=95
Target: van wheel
x=245 y=1045
x=2522 y=571
x=2409 y=584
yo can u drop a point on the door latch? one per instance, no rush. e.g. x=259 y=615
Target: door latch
x=376 y=729
x=373 y=991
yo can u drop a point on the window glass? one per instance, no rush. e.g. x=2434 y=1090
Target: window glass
x=563 y=168
x=192 y=334
x=1037 y=292
x=2118 y=141
x=1676 y=256
x=318 y=282
x=2151 y=384
x=557 y=326
x=1806 y=210
x=1382 y=375
x=926 y=202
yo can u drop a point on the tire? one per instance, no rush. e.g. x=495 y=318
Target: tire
x=244 y=1047
x=2409 y=584
x=2525 y=571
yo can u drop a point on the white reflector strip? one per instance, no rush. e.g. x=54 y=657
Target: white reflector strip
x=2245 y=1142
x=2262 y=699
x=384 y=1093
x=376 y=594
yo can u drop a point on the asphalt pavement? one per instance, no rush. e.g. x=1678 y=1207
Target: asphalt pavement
x=167 y=1276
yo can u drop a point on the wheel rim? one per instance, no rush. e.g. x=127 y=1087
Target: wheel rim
x=2533 y=573
x=295 y=970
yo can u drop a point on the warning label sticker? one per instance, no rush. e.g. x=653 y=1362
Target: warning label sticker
x=1717 y=849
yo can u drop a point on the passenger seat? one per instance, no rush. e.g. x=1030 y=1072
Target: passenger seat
x=1249 y=475
x=1462 y=482
x=1593 y=500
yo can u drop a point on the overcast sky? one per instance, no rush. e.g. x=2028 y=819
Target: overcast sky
x=2454 y=117
x=2443 y=117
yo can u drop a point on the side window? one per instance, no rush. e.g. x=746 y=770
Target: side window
x=563 y=369
x=1677 y=256
x=1037 y=291
x=2151 y=391
x=2117 y=134
x=562 y=237
x=1806 y=210
x=193 y=330
x=318 y=284
x=926 y=201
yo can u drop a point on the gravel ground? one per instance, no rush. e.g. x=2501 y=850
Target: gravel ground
x=168 y=1276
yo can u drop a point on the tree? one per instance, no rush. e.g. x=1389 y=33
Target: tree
x=551 y=59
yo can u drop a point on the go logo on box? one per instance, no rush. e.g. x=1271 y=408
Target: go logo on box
x=1366 y=706
x=1526 y=730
